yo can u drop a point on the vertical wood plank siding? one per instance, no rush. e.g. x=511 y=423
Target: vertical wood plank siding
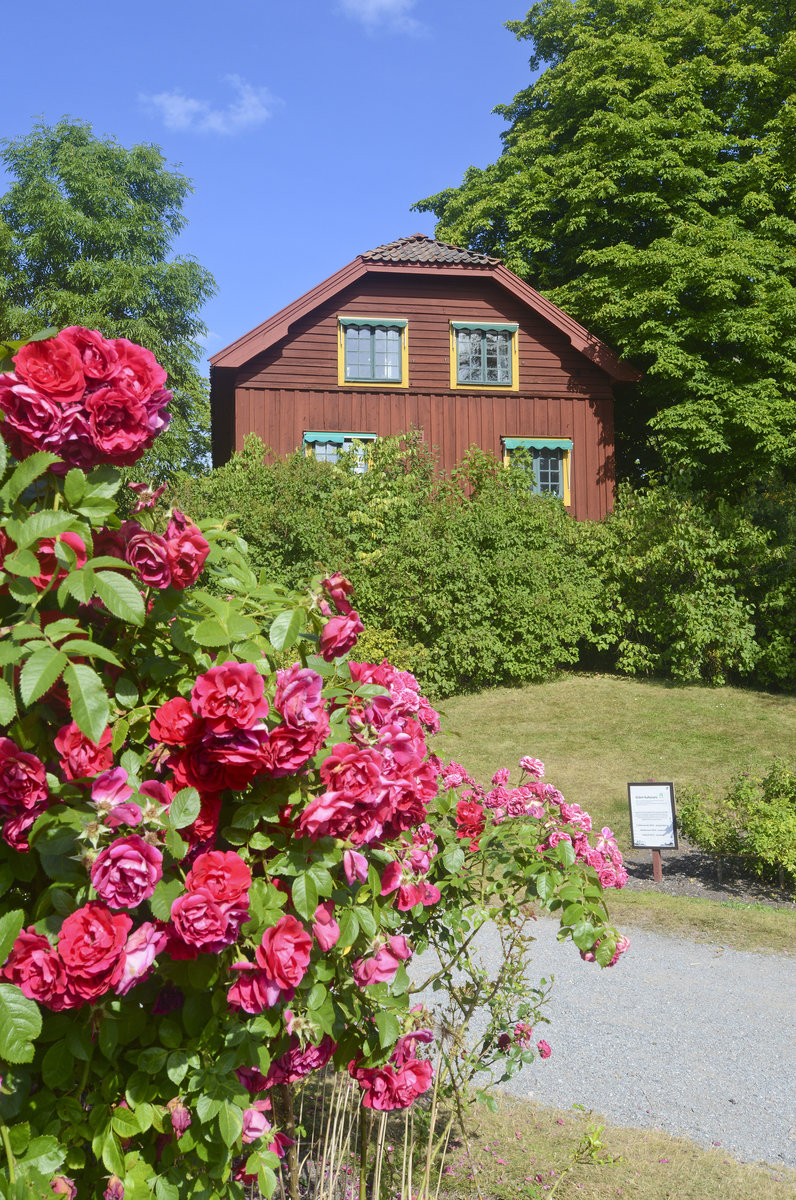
x=292 y=388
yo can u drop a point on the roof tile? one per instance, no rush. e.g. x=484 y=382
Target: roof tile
x=422 y=249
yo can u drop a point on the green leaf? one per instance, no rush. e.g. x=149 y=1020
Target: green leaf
x=112 y=1156
x=125 y=1122
x=305 y=896
x=20 y=1024
x=120 y=596
x=165 y=1190
x=453 y=859
x=79 y=584
x=126 y=692
x=28 y=470
x=88 y=700
x=43 y=524
x=211 y=633
x=82 y=646
x=10 y=926
x=572 y=914
x=163 y=897
x=175 y=845
x=230 y=1123
x=45 y=1155
x=121 y=728
x=74 y=486
x=388 y=1026
x=184 y=808
x=23 y=563
x=349 y=927
x=286 y=627
x=8 y=705
x=40 y=672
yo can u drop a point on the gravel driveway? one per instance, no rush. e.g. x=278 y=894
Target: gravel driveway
x=693 y=1039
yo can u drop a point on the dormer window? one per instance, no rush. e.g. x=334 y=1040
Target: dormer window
x=372 y=351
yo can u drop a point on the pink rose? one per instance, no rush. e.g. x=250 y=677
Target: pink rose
x=148 y=553
x=255 y=1122
x=53 y=366
x=175 y=724
x=201 y=922
x=91 y=946
x=298 y=696
x=51 y=569
x=338 y=589
x=355 y=866
x=382 y=966
x=284 y=953
x=339 y=635
x=253 y=991
x=141 y=949
x=62 y=1185
x=111 y=788
x=23 y=779
x=544 y=1049
x=127 y=872
x=118 y=423
x=290 y=748
x=325 y=929
x=230 y=697
x=296 y=1063
x=80 y=757
x=187 y=549
x=229 y=760
x=98 y=357
x=223 y=873
x=532 y=766
x=31 y=417
x=16 y=828
x=180 y=1116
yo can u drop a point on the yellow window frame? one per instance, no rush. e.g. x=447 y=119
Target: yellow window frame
x=505 y=327
x=380 y=384
x=566 y=462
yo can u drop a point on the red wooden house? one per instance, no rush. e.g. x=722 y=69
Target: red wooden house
x=421 y=334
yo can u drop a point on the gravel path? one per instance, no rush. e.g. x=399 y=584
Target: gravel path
x=693 y=1039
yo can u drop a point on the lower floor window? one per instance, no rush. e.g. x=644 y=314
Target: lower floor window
x=327 y=447
x=548 y=460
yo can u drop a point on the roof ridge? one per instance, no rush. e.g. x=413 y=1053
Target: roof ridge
x=422 y=248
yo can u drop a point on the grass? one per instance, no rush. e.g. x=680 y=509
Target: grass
x=521 y=1151
x=596 y=733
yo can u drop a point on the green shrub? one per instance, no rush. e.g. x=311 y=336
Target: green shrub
x=677 y=574
x=755 y=820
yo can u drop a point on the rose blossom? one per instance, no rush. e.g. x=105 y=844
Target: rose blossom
x=382 y=966
x=114 y=1190
x=91 y=946
x=187 y=550
x=544 y=1049
x=339 y=635
x=203 y=923
x=98 y=356
x=54 y=366
x=138 y=369
x=253 y=991
x=338 y=589
x=298 y=696
x=533 y=766
x=62 y=1185
x=118 y=423
x=230 y=697
x=255 y=1122
x=224 y=873
x=180 y=1115
x=51 y=569
x=36 y=969
x=80 y=757
x=284 y=953
x=325 y=929
x=146 y=551
x=23 y=779
x=127 y=872
x=290 y=748
x=141 y=949
x=355 y=866
x=174 y=723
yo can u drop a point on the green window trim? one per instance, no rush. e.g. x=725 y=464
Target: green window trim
x=339 y=439
x=487 y=326
x=552 y=463
x=375 y=322
x=516 y=443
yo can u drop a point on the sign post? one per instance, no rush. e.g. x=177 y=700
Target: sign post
x=653 y=824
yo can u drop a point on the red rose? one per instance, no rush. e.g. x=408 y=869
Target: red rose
x=230 y=697
x=7 y=546
x=30 y=415
x=253 y=991
x=53 y=366
x=72 y=440
x=470 y=821
x=91 y=946
x=126 y=872
x=36 y=968
x=339 y=635
x=23 y=779
x=325 y=929
x=51 y=569
x=109 y=542
x=138 y=370
x=147 y=552
x=224 y=874
x=289 y=749
x=229 y=760
x=118 y=422
x=16 y=828
x=80 y=757
x=174 y=723
x=98 y=356
x=205 y=826
x=203 y=923
x=284 y=953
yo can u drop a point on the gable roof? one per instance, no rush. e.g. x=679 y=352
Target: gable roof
x=415 y=255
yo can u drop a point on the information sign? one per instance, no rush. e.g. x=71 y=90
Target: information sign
x=652 y=819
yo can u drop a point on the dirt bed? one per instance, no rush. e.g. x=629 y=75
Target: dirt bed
x=689 y=872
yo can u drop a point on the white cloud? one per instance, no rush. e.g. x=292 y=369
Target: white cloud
x=381 y=14
x=251 y=106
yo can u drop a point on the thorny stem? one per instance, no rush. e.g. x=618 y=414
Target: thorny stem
x=12 y=1173
x=289 y=1117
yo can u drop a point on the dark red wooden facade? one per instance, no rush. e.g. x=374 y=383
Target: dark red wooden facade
x=281 y=380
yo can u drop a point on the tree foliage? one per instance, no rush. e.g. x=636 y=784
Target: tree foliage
x=86 y=231
x=646 y=186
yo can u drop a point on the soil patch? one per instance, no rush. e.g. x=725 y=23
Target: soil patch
x=689 y=872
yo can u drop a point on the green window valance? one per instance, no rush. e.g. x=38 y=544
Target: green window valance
x=374 y=322
x=489 y=326
x=337 y=438
x=517 y=443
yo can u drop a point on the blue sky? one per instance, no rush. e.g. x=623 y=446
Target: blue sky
x=308 y=129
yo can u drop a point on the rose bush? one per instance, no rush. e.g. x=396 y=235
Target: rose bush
x=214 y=868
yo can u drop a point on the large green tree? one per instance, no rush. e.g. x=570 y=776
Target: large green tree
x=647 y=186
x=86 y=232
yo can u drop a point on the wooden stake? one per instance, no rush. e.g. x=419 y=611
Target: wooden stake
x=657 y=869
